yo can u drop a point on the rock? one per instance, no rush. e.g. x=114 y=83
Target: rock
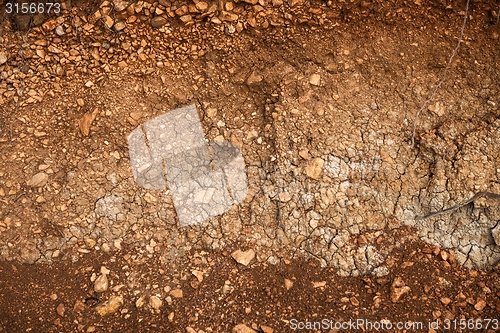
x=315 y=79
x=86 y=121
x=155 y=302
x=177 y=293
x=495 y=232
x=140 y=302
x=319 y=284
x=266 y=329
x=198 y=274
x=110 y=306
x=288 y=284
x=398 y=289
x=227 y=16
x=243 y=258
x=254 y=78
x=59 y=30
x=108 y=21
x=60 y=309
x=445 y=300
x=314 y=168
x=3 y=58
x=38 y=180
x=438 y=108
x=190 y=330
x=182 y=10
x=101 y=284
x=480 y=305
x=242 y=328
x=158 y=21
x=22 y=22
x=201 y=6
x=252 y=2
x=120 y=25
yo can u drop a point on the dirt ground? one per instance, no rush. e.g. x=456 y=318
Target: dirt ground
x=321 y=98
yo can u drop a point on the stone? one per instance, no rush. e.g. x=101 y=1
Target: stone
x=438 y=108
x=266 y=329
x=158 y=21
x=101 y=284
x=190 y=330
x=243 y=257
x=177 y=293
x=86 y=121
x=108 y=21
x=120 y=25
x=242 y=328
x=140 y=302
x=60 y=309
x=254 y=78
x=228 y=16
x=38 y=180
x=480 y=305
x=314 y=168
x=252 y=2
x=288 y=284
x=59 y=30
x=315 y=79
x=155 y=302
x=398 y=289
x=201 y=6
x=110 y=306
x=198 y=274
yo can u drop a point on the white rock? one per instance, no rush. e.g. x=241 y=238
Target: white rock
x=155 y=302
x=101 y=284
x=315 y=79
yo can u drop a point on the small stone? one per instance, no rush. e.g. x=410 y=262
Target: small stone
x=110 y=306
x=80 y=102
x=284 y=197
x=254 y=78
x=305 y=154
x=198 y=274
x=438 y=108
x=108 y=21
x=182 y=10
x=354 y=301
x=227 y=16
x=315 y=79
x=445 y=300
x=201 y=6
x=104 y=270
x=480 y=305
x=101 y=284
x=177 y=293
x=243 y=258
x=3 y=58
x=140 y=302
x=158 y=21
x=155 y=302
x=60 y=310
x=38 y=180
x=59 y=31
x=398 y=289
x=242 y=328
x=288 y=284
x=319 y=284
x=190 y=330
x=266 y=329
x=119 y=26
x=313 y=170
x=252 y=2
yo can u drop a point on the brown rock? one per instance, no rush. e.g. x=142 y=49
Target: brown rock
x=242 y=328
x=227 y=16
x=86 y=121
x=480 y=305
x=177 y=293
x=181 y=11
x=119 y=26
x=243 y=258
x=158 y=21
x=252 y=2
x=38 y=180
x=201 y=6
x=288 y=284
x=314 y=168
x=60 y=309
x=110 y=306
x=266 y=329
x=398 y=289
x=254 y=78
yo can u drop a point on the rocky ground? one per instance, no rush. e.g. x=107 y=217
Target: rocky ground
x=321 y=98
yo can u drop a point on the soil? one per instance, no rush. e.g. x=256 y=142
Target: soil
x=321 y=98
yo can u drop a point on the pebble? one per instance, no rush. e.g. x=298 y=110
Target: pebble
x=254 y=78
x=140 y=302
x=101 y=284
x=288 y=284
x=243 y=257
x=480 y=305
x=242 y=328
x=38 y=180
x=177 y=293
x=155 y=302
x=60 y=309
x=59 y=31
x=314 y=168
x=315 y=79
x=190 y=330
x=398 y=289
x=3 y=58
x=266 y=329
x=110 y=306
x=158 y=21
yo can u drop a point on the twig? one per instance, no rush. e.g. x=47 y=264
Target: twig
x=476 y=196
x=442 y=77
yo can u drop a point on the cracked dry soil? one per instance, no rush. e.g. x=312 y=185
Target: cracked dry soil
x=321 y=97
